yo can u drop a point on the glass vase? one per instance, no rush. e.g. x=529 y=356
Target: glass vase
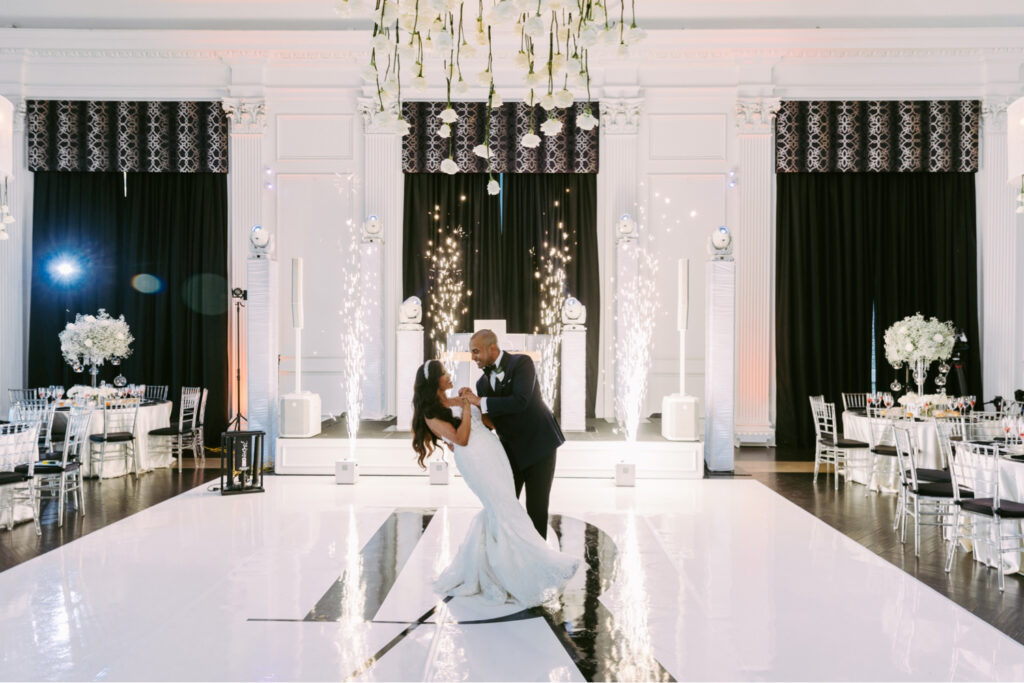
x=920 y=374
x=94 y=371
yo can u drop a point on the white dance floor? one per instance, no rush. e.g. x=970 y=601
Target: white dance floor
x=714 y=579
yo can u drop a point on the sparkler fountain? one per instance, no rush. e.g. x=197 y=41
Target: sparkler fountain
x=353 y=315
x=637 y=307
x=446 y=292
x=552 y=300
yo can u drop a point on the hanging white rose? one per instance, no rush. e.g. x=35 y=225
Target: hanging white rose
x=381 y=43
x=449 y=166
x=496 y=100
x=493 y=187
x=530 y=141
x=634 y=35
x=401 y=126
x=586 y=121
x=390 y=12
x=505 y=11
x=551 y=127
x=536 y=79
x=448 y=115
x=535 y=27
x=460 y=87
x=484 y=77
x=547 y=102
x=369 y=73
x=445 y=131
x=563 y=99
x=444 y=40
x=483 y=151
x=419 y=84
x=522 y=60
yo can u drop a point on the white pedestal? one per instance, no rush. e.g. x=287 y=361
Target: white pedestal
x=410 y=358
x=625 y=474
x=574 y=380
x=346 y=472
x=262 y=351
x=439 y=474
x=679 y=421
x=720 y=365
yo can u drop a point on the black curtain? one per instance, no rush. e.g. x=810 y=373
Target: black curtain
x=560 y=210
x=503 y=236
x=152 y=246
x=439 y=206
x=851 y=246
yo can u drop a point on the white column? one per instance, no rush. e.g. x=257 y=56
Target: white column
x=247 y=119
x=384 y=183
x=16 y=265
x=997 y=235
x=617 y=192
x=410 y=357
x=754 y=274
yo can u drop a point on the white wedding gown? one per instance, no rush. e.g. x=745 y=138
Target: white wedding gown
x=502 y=558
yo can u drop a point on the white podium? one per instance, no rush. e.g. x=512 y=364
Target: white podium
x=720 y=365
x=573 y=387
x=409 y=353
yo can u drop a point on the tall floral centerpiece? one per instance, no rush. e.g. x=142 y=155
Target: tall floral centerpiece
x=918 y=342
x=92 y=340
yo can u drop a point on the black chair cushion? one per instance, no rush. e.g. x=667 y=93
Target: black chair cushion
x=883 y=449
x=926 y=474
x=940 y=490
x=112 y=437
x=49 y=467
x=12 y=478
x=1008 y=509
x=841 y=442
x=168 y=431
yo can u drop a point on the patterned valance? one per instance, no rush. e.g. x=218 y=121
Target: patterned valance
x=877 y=137
x=153 y=137
x=572 y=151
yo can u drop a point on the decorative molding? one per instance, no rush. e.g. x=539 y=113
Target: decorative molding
x=755 y=115
x=993 y=112
x=245 y=115
x=368 y=108
x=20 y=114
x=621 y=116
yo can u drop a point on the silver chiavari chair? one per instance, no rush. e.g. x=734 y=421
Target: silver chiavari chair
x=156 y=392
x=40 y=411
x=19 y=450
x=985 y=517
x=176 y=438
x=855 y=401
x=63 y=477
x=928 y=503
x=831 y=446
x=119 y=419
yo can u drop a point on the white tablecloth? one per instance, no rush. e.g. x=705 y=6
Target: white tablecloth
x=150 y=417
x=858 y=426
x=1011 y=487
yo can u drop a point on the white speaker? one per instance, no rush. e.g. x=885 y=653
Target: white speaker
x=683 y=310
x=679 y=419
x=346 y=472
x=300 y=415
x=297 y=293
x=625 y=474
x=438 y=472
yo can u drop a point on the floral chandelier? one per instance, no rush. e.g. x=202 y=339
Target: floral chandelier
x=456 y=38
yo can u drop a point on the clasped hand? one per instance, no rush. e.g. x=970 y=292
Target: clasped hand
x=467 y=393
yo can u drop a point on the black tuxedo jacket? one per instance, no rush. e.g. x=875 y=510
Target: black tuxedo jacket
x=523 y=421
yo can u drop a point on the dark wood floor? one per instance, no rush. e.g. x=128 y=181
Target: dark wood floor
x=106 y=501
x=868 y=518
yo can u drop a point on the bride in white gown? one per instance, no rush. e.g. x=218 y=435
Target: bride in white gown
x=503 y=557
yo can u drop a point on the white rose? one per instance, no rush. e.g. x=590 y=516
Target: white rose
x=493 y=187
x=937 y=338
x=563 y=99
x=88 y=342
x=551 y=127
x=504 y=11
x=530 y=141
x=536 y=79
x=547 y=102
x=484 y=77
x=381 y=43
x=535 y=27
x=460 y=87
x=909 y=347
x=522 y=60
x=449 y=166
x=496 y=100
x=419 y=84
x=445 y=131
x=482 y=151
x=586 y=121
x=444 y=40
x=448 y=115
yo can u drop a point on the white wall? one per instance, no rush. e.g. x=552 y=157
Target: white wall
x=691 y=84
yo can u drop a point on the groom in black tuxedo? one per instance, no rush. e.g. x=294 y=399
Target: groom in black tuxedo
x=508 y=394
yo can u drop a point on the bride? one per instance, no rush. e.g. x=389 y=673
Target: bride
x=502 y=557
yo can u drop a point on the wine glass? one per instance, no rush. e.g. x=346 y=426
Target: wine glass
x=971 y=399
x=887 y=399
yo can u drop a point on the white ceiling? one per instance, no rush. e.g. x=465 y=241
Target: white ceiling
x=652 y=14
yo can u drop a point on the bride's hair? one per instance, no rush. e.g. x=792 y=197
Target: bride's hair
x=426 y=405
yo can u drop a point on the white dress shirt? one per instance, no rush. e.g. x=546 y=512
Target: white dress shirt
x=495 y=377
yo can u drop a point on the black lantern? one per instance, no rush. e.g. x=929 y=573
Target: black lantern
x=241 y=462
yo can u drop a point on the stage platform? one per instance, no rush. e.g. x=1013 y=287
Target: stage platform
x=381 y=449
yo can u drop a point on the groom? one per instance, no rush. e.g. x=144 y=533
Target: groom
x=509 y=395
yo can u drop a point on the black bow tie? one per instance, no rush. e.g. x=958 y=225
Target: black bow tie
x=488 y=369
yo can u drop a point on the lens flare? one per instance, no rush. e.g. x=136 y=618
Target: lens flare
x=144 y=283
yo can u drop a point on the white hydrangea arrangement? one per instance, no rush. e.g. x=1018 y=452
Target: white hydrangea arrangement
x=914 y=338
x=81 y=391
x=94 y=339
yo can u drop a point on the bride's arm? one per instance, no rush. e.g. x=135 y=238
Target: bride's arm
x=445 y=430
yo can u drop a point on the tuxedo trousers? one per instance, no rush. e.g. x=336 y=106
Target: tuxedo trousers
x=537 y=479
